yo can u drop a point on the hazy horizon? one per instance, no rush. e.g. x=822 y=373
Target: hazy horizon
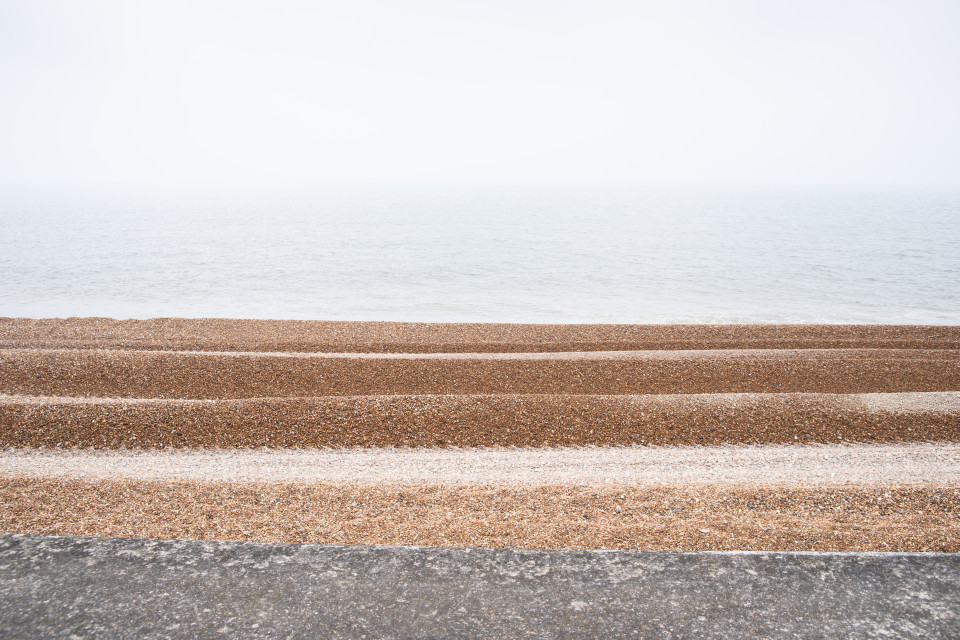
x=481 y=254
x=829 y=95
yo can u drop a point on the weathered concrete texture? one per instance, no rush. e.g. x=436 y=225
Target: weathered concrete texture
x=89 y=587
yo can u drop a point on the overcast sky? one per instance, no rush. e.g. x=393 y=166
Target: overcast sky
x=206 y=93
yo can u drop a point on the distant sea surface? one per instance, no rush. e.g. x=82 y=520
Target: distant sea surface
x=504 y=254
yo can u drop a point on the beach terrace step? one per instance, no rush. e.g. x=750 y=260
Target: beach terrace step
x=481 y=420
x=695 y=516
x=184 y=374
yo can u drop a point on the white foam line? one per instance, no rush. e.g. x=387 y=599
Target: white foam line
x=771 y=465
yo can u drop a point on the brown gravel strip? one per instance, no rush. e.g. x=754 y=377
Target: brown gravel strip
x=293 y=335
x=480 y=420
x=867 y=518
x=185 y=375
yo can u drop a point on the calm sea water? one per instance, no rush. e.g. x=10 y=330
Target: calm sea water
x=523 y=254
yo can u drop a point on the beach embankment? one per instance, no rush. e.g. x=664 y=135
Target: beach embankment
x=780 y=437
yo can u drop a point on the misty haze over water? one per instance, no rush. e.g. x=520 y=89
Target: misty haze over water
x=496 y=253
x=151 y=155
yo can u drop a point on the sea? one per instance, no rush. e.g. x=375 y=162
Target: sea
x=484 y=253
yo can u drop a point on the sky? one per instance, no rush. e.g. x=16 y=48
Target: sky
x=835 y=93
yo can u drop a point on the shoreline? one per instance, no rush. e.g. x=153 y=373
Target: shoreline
x=413 y=337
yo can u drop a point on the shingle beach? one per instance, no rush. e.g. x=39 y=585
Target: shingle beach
x=785 y=437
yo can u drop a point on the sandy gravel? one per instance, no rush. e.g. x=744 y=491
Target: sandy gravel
x=868 y=518
x=183 y=375
x=905 y=403
x=480 y=420
x=649 y=354
x=293 y=335
x=409 y=430
x=770 y=466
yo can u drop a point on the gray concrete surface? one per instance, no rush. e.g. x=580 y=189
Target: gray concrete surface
x=65 y=587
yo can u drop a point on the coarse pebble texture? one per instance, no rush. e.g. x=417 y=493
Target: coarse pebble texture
x=185 y=375
x=480 y=420
x=770 y=466
x=869 y=518
x=130 y=388
x=296 y=335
